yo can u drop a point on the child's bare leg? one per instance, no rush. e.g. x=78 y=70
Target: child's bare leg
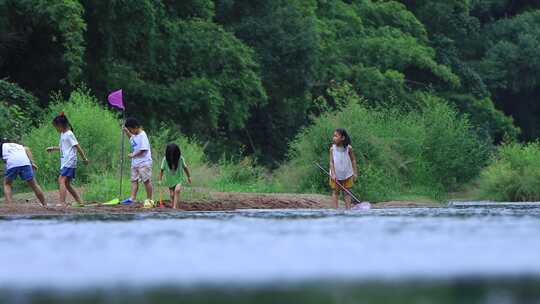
x=149 y=189
x=335 y=197
x=37 y=191
x=347 y=201
x=7 y=192
x=134 y=190
x=62 y=189
x=73 y=192
x=171 y=195
x=177 y=191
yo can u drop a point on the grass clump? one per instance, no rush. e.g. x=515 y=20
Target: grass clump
x=513 y=174
x=243 y=176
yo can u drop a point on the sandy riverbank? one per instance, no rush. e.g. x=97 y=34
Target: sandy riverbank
x=26 y=204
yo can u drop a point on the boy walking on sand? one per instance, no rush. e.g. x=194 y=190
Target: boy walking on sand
x=141 y=161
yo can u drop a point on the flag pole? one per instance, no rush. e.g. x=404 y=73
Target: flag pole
x=116 y=100
x=122 y=152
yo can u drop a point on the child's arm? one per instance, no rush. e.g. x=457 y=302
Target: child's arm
x=82 y=154
x=30 y=157
x=160 y=176
x=353 y=160
x=53 y=148
x=331 y=165
x=186 y=169
x=136 y=153
x=129 y=134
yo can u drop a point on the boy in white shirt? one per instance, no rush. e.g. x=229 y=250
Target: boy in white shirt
x=141 y=161
x=19 y=163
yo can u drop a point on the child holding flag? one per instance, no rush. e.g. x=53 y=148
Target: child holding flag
x=141 y=161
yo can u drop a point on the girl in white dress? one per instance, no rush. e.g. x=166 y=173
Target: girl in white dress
x=343 y=169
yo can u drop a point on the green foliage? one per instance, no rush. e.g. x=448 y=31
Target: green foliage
x=426 y=152
x=12 y=94
x=490 y=122
x=284 y=35
x=514 y=174
x=392 y=14
x=241 y=75
x=205 y=78
x=67 y=15
x=18 y=111
x=56 y=55
x=203 y=9
x=513 y=51
x=453 y=152
x=13 y=122
x=96 y=129
x=244 y=176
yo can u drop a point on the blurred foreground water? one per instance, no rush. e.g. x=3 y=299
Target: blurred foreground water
x=479 y=254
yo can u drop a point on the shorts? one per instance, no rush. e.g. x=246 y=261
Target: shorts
x=347 y=183
x=24 y=172
x=142 y=173
x=68 y=172
x=173 y=188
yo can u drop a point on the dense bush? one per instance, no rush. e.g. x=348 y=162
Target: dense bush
x=429 y=151
x=514 y=174
x=18 y=110
x=96 y=129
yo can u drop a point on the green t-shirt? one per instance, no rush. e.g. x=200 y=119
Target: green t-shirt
x=173 y=178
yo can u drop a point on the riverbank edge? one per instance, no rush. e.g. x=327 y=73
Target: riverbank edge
x=26 y=204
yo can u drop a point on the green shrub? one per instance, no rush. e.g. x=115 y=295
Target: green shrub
x=514 y=174
x=427 y=151
x=454 y=153
x=12 y=94
x=18 y=111
x=96 y=129
x=14 y=122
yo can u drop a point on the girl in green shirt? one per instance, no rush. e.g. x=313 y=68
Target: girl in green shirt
x=173 y=167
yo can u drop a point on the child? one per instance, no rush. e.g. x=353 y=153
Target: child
x=173 y=167
x=68 y=147
x=19 y=162
x=141 y=161
x=342 y=166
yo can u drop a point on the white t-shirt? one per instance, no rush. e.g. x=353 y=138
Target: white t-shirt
x=14 y=155
x=68 y=152
x=140 y=142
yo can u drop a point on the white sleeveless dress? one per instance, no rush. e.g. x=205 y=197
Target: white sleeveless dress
x=342 y=162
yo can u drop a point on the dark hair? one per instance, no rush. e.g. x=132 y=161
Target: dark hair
x=172 y=155
x=132 y=122
x=62 y=121
x=347 y=138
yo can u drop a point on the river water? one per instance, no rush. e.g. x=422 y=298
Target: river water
x=479 y=254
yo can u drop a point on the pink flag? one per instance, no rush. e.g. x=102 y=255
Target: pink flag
x=116 y=100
